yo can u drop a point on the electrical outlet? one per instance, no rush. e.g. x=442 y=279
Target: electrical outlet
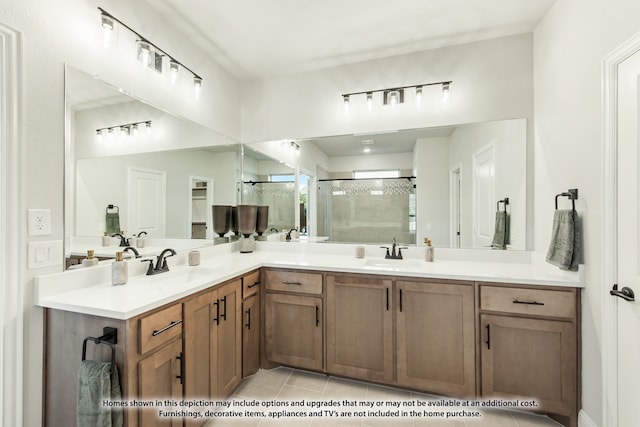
x=39 y=222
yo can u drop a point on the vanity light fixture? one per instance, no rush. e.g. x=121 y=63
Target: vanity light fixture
x=149 y=54
x=290 y=146
x=394 y=96
x=445 y=92
x=107 y=30
x=127 y=129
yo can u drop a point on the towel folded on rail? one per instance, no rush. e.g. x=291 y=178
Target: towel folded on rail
x=98 y=382
x=501 y=233
x=565 y=248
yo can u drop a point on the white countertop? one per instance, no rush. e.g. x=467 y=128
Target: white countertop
x=89 y=290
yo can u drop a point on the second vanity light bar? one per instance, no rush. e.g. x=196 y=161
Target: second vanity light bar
x=126 y=129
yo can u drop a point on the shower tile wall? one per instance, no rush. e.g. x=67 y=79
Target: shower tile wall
x=279 y=196
x=367 y=211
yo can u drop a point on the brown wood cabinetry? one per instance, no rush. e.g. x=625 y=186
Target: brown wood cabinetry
x=250 y=323
x=435 y=341
x=213 y=343
x=529 y=341
x=293 y=318
x=360 y=327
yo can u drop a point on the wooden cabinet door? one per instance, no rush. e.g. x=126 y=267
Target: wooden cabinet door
x=435 y=337
x=530 y=357
x=199 y=346
x=228 y=331
x=293 y=330
x=251 y=335
x=160 y=377
x=360 y=327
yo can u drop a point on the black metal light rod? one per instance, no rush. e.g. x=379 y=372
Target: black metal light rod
x=397 y=88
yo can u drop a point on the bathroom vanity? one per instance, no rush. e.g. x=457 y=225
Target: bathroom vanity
x=467 y=329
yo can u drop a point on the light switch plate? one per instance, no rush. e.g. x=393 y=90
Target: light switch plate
x=44 y=254
x=39 y=222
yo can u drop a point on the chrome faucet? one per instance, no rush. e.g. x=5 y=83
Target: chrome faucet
x=123 y=240
x=161 y=262
x=131 y=248
x=394 y=254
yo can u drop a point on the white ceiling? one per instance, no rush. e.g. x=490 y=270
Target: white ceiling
x=256 y=38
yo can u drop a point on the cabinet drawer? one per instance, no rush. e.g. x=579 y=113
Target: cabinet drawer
x=160 y=327
x=293 y=281
x=250 y=284
x=537 y=302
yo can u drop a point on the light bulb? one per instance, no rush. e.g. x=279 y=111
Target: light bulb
x=144 y=52
x=418 y=95
x=445 y=92
x=369 y=100
x=346 y=103
x=107 y=30
x=148 y=127
x=110 y=133
x=393 y=98
x=134 y=130
x=197 y=85
x=174 y=68
x=99 y=135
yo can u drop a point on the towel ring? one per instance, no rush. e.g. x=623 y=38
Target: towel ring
x=109 y=337
x=112 y=207
x=505 y=201
x=572 y=194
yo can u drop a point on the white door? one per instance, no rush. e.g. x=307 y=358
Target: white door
x=628 y=240
x=455 y=207
x=147 y=202
x=484 y=203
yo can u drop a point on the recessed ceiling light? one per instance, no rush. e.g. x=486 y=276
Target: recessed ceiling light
x=367 y=150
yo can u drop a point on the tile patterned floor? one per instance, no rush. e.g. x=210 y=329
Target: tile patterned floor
x=291 y=384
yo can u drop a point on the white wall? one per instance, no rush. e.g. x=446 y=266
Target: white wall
x=491 y=80
x=508 y=139
x=431 y=166
x=102 y=181
x=371 y=162
x=69 y=31
x=569 y=45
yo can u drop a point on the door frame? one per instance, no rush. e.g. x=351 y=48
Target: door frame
x=455 y=201
x=12 y=245
x=609 y=226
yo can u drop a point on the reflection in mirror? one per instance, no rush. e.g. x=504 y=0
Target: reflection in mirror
x=269 y=182
x=462 y=172
x=162 y=172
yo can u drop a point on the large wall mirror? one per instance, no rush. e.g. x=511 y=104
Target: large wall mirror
x=462 y=186
x=153 y=171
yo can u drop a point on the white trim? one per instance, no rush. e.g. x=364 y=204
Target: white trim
x=609 y=227
x=11 y=258
x=584 y=420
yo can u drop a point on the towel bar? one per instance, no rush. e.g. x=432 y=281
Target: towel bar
x=109 y=337
x=572 y=194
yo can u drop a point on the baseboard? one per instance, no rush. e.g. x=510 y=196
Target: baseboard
x=585 y=420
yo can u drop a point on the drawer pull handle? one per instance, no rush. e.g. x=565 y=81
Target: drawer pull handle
x=515 y=301
x=248 y=324
x=291 y=282
x=166 y=328
x=255 y=284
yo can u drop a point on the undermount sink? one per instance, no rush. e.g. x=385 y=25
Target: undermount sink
x=179 y=277
x=392 y=264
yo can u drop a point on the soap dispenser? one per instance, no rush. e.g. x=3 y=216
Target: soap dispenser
x=428 y=250
x=90 y=260
x=106 y=240
x=119 y=270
